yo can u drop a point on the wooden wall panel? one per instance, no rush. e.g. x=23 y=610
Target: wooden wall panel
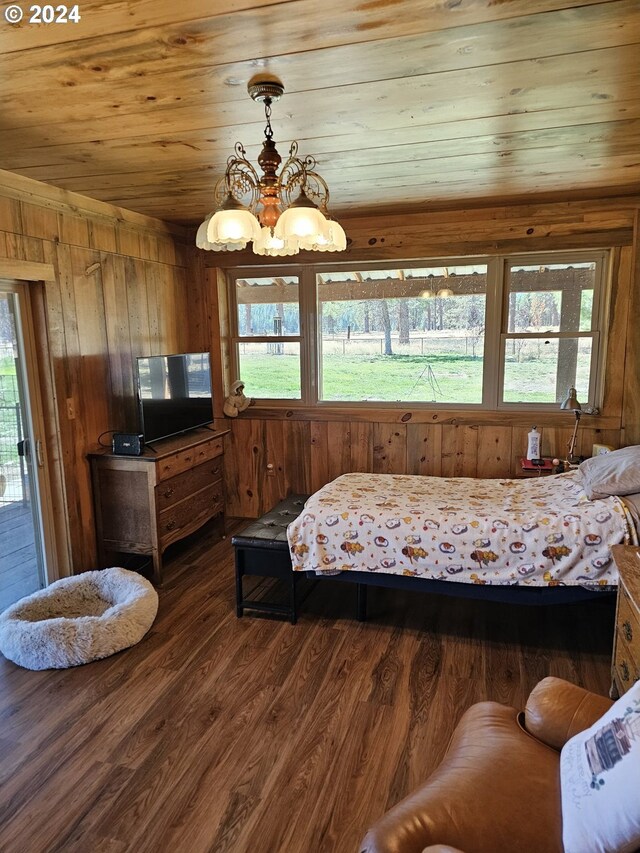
x=361 y=448
x=245 y=468
x=318 y=455
x=631 y=405
x=494 y=451
x=306 y=454
x=102 y=236
x=424 y=449
x=114 y=294
x=110 y=299
x=389 y=449
x=297 y=439
x=459 y=451
x=275 y=480
x=339 y=443
x=198 y=297
x=616 y=342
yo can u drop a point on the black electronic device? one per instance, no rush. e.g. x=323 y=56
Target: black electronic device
x=127 y=444
x=174 y=393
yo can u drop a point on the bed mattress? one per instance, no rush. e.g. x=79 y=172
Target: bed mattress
x=538 y=531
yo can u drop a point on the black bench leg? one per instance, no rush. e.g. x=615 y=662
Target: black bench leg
x=239 y=574
x=362 y=602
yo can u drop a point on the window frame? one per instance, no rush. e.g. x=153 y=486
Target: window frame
x=597 y=333
x=496 y=320
x=236 y=338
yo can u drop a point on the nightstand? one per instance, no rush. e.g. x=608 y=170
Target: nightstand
x=522 y=471
x=625 y=665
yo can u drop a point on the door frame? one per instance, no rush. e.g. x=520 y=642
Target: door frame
x=52 y=493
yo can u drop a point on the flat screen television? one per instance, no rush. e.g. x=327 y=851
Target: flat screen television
x=174 y=393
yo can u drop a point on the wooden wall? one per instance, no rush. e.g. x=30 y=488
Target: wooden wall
x=275 y=451
x=123 y=285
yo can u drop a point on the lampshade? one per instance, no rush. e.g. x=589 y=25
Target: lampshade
x=337 y=241
x=202 y=241
x=259 y=208
x=304 y=222
x=571 y=401
x=268 y=244
x=232 y=225
x=444 y=292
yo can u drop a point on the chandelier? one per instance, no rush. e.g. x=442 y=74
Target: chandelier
x=262 y=209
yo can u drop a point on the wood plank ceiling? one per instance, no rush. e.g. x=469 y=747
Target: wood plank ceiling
x=408 y=104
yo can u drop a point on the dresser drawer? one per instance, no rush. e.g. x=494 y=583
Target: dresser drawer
x=181 y=518
x=172 y=491
x=628 y=622
x=626 y=666
x=183 y=460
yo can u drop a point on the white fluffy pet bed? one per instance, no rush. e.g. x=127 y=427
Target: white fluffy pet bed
x=79 y=619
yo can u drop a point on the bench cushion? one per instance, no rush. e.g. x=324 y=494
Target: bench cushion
x=270 y=531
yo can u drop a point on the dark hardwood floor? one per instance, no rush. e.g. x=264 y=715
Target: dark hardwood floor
x=223 y=734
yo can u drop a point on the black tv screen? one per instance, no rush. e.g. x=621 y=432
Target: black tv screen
x=174 y=393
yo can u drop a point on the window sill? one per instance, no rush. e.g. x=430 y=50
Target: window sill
x=387 y=413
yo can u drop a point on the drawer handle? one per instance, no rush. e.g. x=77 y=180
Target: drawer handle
x=627 y=631
x=624 y=669
x=203 y=453
x=187 y=459
x=171 y=524
x=169 y=492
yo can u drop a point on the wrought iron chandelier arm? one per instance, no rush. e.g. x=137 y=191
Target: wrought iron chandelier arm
x=299 y=174
x=239 y=180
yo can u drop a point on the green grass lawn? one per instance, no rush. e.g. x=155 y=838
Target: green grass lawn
x=407 y=378
x=7 y=366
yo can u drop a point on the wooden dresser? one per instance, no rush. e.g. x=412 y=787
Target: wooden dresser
x=625 y=667
x=144 y=503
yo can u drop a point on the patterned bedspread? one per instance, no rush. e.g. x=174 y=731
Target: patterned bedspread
x=541 y=531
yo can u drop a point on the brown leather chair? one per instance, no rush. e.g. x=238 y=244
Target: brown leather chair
x=498 y=787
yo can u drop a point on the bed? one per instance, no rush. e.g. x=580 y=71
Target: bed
x=530 y=534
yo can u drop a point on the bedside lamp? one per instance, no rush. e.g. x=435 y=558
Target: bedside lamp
x=572 y=403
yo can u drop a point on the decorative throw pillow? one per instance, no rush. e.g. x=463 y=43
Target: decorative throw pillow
x=600 y=782
x=616 y=473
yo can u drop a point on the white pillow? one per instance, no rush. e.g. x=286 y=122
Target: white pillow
x=615 y=473
x=600 y=782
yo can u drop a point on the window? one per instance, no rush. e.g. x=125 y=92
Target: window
x=550 y=334
x=499 y=332
x=268 y=336
x=402 y=335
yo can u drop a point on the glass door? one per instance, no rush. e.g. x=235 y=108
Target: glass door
x=23 y=567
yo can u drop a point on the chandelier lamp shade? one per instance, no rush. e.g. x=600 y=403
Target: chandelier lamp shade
x=279 y=213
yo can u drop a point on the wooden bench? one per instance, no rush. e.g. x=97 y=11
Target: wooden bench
x=262 y=549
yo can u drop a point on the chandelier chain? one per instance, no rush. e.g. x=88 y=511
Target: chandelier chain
x=268 y=131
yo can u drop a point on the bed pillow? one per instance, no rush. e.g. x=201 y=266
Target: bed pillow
x=600 y=780
x=615 y=473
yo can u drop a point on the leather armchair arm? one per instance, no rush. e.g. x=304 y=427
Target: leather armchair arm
x=494 y=777
x=557 y=710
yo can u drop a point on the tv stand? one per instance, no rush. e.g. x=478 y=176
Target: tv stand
x=145 y=503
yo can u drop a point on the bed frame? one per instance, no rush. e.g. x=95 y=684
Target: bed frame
x=543 y=595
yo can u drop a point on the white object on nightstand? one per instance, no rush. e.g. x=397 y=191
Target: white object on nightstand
x=601 y=449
